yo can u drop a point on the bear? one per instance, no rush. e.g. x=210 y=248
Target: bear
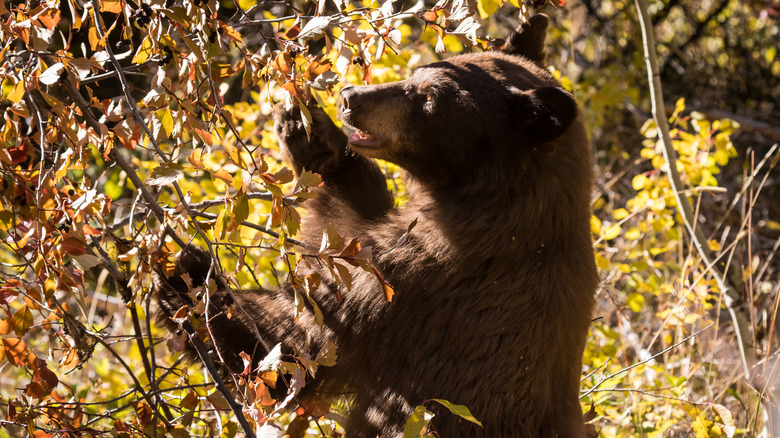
x=494 y=283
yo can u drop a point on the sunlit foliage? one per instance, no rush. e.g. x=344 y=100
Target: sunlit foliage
x=132 y=127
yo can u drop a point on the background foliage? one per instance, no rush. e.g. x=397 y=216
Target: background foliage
x=130 y=131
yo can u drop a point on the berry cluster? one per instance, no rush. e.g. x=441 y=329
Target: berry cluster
x=143 y=16
x=167 y=56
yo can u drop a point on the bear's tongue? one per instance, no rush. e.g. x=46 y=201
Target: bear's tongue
x=360 y=138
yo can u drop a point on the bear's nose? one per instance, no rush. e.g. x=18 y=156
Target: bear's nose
x=346 y=95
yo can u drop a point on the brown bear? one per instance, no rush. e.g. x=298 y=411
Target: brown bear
x=494 y=286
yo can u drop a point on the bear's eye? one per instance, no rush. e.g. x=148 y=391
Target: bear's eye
x=428 y=106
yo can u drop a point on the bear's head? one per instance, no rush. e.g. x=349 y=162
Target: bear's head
x=449 y=115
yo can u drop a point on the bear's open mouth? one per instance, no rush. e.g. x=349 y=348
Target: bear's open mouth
x=362 y=138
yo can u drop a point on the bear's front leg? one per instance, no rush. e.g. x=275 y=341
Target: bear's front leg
x=349 y=178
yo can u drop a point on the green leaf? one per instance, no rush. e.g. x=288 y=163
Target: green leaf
x=459 y=410
x=164 y=174
x=241 y=210
x=417 y=423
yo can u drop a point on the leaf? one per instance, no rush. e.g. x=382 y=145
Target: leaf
x=218 y=401
x=15 y=351
x=224 y=175
x=464 y=8
x=305 y=117
x=639 y=182
x=22 y=320
x=635 y=301
x=314 y=29
x=114 y=6
x=165 y=174
x=612 y=232
x=129 y=255
x=220 y=225
x=269 y=430
x=700 y=428
x=282 y=63
x=50 y=18
x=166 y=119
x=52 y=74
x=17 y=93
x=417 y=423
x=220 y=71
x=729 y=426
x=272 y=360
x=388 y=290
x=196 y=159
x=143 y=52
x=346 y=276
x=467 y=31
x=73 y=246
x=487 y=8
x=327 y=355
x=459 y=410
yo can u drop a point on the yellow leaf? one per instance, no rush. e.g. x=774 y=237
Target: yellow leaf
x=95 y=42
x=487 y=8
x=166 y=118
x=620 y=213
x=639 y=182
x=595 y=225
x=144 y=50
x=612 y=232
x=17 y=93
x=601 y=262
x=196 y=159
x=635 y=302
x=700 y=427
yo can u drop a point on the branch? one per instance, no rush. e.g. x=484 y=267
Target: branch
x=730 y=296
x=206 y=359
x=604 y=379
x=254 y=227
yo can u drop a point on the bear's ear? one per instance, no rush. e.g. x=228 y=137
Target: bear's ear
x=528 y=39
x=543 y=114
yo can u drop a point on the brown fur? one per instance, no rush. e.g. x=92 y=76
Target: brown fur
x=494 y=286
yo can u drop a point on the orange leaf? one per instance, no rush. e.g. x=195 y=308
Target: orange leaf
x=181 y=315
x=73 y=246
x=114 y=6
x=50 y=18
x=16 y=351
x=282 y=63
x=353 y=247
x=224 y=175
x=5 y=327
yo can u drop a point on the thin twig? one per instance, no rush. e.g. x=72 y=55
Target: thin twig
x=626 y=369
